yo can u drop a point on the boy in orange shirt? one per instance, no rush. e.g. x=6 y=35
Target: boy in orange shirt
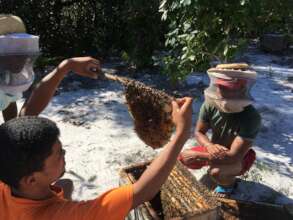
x=32 y=159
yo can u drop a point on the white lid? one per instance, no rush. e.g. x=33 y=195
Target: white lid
x=19 y=44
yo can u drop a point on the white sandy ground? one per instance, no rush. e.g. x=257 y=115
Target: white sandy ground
x=97 y=133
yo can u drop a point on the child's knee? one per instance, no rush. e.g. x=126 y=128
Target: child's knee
x=225 y=170
x=214 y=172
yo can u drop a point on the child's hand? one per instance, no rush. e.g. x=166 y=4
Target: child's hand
x=182 y=114
x=83 y=66
x=188 y=157
x=217 y=151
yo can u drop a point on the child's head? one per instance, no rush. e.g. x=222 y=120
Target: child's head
x=231 y=89
x=31 y=153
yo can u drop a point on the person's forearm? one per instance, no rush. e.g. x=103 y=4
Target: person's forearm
x=157 y=173
x=44 y=91
x=236 y=153
x=202 y=139
x=232 y=156
x=227 y=159
x=202 y=155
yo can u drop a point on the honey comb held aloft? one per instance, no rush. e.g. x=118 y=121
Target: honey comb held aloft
x=151 y=110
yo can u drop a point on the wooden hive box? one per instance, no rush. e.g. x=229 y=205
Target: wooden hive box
x=181 y=196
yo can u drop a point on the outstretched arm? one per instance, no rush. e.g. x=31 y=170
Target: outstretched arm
x=44 y=91
x=156 y=174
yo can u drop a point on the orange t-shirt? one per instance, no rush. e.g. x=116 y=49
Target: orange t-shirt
x=112 y=205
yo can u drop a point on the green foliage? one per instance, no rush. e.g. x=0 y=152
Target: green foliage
x=194 y=31
x=65 y=27
x=143 y=31
x=93 y=27
x=204 y=30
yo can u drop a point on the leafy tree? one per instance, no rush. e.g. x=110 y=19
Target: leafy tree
x=204 y=30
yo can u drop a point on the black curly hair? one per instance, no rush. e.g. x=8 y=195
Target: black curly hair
x=25 y=143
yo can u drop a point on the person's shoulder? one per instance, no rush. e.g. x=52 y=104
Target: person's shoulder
x=251 y=110
x=250 y=123
x=120 y=192
x=208 y=107
x=115 y=203
x=251 y=113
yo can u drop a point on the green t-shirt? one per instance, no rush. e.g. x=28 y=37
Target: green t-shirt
x=226 y=126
